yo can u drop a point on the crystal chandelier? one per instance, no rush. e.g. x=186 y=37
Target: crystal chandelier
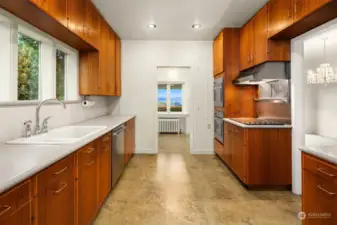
x=324 y=74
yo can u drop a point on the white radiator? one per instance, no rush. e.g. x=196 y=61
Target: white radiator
x=169 y=125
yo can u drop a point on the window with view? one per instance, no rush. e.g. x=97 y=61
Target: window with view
x=28 y=68
x=60 y=74
x=170 y=98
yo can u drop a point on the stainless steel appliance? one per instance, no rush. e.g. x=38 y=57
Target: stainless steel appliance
x=219 y=92
x=264 y=73
x=219 y=126
x=117 y=153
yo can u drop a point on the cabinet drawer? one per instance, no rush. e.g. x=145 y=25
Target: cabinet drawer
x=57 y=177
x=15 y=199
x=319 y=167
x=87 y=156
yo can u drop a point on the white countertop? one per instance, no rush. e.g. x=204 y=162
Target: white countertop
x=19 y=162
x=255 y=126
x=322 y=147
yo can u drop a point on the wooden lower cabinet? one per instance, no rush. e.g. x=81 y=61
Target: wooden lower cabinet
x=16 y=205
x=219 y=149
x=56 y=193
x=87 y=192
x=129 y=140
x=258 y=156
x=104 y=167
x=319 y=194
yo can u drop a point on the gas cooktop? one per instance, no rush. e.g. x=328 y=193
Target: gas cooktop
x=262 y=121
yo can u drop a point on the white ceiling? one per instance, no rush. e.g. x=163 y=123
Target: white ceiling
x=174 y=18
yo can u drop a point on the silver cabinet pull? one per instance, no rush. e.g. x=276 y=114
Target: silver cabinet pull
x=61 y=189
x=89 y=164
x=6 y=209
x=90 y=150
x=326 y=191
x=61 y=171
x=321 y=170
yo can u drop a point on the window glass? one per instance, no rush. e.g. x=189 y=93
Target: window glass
x=60 y=74
x=176 y=96
x=162 y=98
x=28 y=68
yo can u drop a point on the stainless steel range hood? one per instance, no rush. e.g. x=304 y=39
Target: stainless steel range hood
x=264 y=73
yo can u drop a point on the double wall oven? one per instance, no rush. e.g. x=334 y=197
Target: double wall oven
x=219 y=114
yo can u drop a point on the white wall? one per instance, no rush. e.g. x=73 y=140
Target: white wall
x=313 y=107
x=139 y=88
x=13 y=117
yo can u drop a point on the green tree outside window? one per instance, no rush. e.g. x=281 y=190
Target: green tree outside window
x=28 y=68
x=60 y=74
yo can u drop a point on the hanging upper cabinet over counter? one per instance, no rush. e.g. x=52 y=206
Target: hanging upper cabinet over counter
x=256 y=47
x=291 y=18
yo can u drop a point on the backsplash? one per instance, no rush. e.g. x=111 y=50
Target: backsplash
x=13 y=117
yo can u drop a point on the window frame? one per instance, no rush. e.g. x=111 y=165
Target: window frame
x=168 y=97
x=47 y=64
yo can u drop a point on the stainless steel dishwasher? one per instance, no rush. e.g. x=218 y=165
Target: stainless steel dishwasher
x=117 y=153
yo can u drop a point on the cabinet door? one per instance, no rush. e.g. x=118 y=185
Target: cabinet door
x=303 y=8
x=87 y=184
x=118 y=66
x=220 y=54
x=55 y=8
x=215 y=56
x=104 y=167
x=246 y=46
x=319 y=198
x=16 y=205
x=89 y=72
x=227 y=145
x=76 y=16
x=107 y=76
x=56 y=199
x=261 y=36
x=238 y=155
x=280 y=15
x=91 y=24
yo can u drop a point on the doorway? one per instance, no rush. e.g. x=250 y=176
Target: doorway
x=174 y=117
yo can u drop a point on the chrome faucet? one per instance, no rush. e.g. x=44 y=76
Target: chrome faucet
x=37 y=127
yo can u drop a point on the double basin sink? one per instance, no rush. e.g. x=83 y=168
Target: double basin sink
x=60 y=136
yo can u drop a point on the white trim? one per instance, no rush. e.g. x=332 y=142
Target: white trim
x=35 y=102
x=172 y=115
x=202 y=151
x=145 y=151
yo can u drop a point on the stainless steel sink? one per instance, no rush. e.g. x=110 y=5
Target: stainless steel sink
x=60 y=136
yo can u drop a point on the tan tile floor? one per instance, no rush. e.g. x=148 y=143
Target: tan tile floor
x=177 y=188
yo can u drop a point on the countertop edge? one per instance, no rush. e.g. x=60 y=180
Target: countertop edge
x=312 y=151
x=21 y=177
x=257 y=126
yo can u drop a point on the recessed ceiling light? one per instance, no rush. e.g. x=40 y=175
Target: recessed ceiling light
x=196 y=26
x=152 y=25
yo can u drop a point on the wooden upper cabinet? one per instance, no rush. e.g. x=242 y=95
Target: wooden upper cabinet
x=118 y=66
x=107 y=65
x=304 y=7
x=91 y=25
x=56 y=198
x=55 y=8
x=260 y=22
x=218 y=54
x=247 y=46
x=280 y=15
x=76 y=15
x=89 y=72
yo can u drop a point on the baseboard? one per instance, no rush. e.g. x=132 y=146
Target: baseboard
x=202 y=151
x=145 y=151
